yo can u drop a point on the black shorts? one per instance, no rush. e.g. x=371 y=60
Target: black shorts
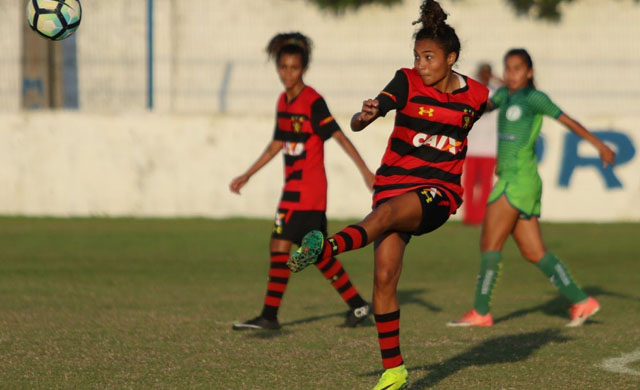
x=436 y=208
x=292 y=225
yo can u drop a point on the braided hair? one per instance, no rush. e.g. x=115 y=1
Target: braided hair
x=435 y=28
x=290 y=43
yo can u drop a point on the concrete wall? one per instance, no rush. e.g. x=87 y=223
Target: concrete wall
x=10 y=47
x=73 y=164
x=113 y=158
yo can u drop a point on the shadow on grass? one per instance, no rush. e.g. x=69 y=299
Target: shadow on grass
x=558 y=306
x=267 y=334
x=314 y=318
x=406 y=297
x=497 y=350
x=412 y=297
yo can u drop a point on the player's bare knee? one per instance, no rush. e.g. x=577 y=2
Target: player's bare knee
x=490 y=244
x=532 y=256
x=386 y=276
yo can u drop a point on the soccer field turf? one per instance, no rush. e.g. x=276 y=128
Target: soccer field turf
x=119 y=303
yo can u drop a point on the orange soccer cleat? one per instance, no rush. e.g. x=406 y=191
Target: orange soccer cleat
x=473 y=318
x=579 y=312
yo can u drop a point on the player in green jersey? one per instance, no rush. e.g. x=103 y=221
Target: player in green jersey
x=514 y=204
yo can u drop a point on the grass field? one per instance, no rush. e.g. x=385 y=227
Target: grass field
x=136 y=304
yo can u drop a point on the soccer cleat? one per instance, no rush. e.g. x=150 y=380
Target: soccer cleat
x=393 y=379
x=357 y=315
x=579 y=312
x=257 y=323
x=473 y=318
x=310 y=249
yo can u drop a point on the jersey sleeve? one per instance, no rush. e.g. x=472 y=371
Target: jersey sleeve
x=394 y=96
x=322 y=121
x=499 y=97
x=541 y=103
x=483 y=98
x=278 y=135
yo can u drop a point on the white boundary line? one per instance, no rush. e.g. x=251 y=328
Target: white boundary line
x=619 y=364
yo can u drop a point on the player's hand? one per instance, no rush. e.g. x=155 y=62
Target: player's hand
x=369 y=179
x=370 y=109
x=238 y=183
x=607 y=156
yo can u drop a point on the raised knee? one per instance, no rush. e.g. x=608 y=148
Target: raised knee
x=384 y=214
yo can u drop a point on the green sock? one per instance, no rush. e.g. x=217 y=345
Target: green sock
x=490 y=270
x=557 y=272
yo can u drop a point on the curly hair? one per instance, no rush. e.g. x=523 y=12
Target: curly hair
x=435 y=27
x=290 y=43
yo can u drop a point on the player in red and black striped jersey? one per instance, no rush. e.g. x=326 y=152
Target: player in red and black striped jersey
x=417 y=187
x=429 y=140
x=303 y=124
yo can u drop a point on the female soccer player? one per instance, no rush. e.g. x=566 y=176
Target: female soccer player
x=417 y=186
x=303 y=123
x=514 y=204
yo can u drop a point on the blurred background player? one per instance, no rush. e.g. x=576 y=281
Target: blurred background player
x=514 y=203
x=417 y=186
x=303 y=124
x=480 y=164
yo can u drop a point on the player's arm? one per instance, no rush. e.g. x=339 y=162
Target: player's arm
x=350 y=149
x=393 y=97
x=369 y=113
x=273 y=148
x=496 y=100
x=606 y=154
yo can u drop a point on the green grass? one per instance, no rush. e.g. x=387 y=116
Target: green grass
x=132 y=304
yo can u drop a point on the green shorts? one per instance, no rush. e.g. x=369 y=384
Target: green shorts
x=522 y=193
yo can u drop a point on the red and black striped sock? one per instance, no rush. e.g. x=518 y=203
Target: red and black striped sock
x=388 y=326
x=278 y=278
x=350 y=238
x=332 y=269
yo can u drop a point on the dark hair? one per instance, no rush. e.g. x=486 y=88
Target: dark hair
x=290 y=43
x=435 y=27
x=524 y=55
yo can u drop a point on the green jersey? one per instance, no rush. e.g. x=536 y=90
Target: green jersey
x=519 y=124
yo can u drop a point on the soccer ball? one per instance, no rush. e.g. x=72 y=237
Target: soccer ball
x=54 y=19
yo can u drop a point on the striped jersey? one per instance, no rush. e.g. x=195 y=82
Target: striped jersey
x=519 y=124
x=429 y=140
x=303 y=125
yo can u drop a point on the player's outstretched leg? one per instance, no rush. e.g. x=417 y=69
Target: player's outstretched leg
x=315 y=248
x=308 y=252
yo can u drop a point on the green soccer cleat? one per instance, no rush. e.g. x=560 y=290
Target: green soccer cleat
x=393 y=379
x=310 y=249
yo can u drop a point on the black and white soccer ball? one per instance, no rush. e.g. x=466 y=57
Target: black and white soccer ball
x=54 y=19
